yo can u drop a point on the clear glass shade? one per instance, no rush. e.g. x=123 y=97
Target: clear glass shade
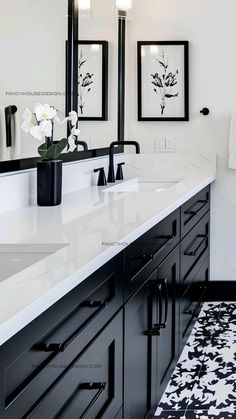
x=123 y=8
x=85 y=8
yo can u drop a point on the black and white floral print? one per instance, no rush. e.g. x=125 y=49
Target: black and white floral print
x=203 y=385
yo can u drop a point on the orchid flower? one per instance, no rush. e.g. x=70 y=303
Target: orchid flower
x=71 y=140
x=27 y=124
x=44 y=112
x=41 y=131
x=72 y=118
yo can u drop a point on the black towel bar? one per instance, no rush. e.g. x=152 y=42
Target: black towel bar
x=9 y=111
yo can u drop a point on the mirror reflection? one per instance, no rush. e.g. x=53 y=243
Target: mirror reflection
x=96 y=25
x=33 y=70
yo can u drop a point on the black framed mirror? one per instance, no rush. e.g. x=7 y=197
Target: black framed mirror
x=57 y=70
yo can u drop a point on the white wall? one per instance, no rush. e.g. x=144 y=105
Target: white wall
x=209 y=26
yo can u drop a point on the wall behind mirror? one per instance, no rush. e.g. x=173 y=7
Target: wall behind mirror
x=102 y=25
x=32 y=50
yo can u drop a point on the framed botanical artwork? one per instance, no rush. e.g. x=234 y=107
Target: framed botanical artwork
x=92 y=86
x=163 y=81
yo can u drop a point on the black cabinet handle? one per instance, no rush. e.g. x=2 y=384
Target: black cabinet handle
x=94 y=304
x=158 y=285
x=60 y=347
x=92 y=386
x=148 y=258
x=165 y=286
x=53 y=347
x=196 y=212
x=155 y=287
x=9 y=111
x=194 y=252
x=194 y=311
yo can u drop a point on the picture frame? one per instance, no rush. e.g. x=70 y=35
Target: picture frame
x=163 y=80
x=92 y=83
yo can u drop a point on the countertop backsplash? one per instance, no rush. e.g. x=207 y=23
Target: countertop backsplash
x=18 y=189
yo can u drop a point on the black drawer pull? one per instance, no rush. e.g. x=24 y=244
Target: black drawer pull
x=61 y=347
x=148 y=258
x=53 y=347
x=193 y=311
x=194 y=252
x=196 y=212
x=92 y=386
x=94 y=304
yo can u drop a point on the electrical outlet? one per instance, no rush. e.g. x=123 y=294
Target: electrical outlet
x=160 y=144
x=169 y=144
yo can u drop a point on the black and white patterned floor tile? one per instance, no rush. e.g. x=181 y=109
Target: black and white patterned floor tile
x=203 y=385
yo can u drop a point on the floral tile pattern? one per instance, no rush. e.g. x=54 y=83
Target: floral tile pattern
x=203 y=385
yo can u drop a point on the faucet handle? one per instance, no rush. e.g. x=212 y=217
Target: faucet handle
x=101 y=177
x=119 y=173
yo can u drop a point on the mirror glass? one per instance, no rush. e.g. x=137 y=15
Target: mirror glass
x=99 y=25
x=33 y=69
x=32 y=47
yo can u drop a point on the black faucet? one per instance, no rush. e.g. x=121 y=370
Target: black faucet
x=83 y=144
x=111 y=171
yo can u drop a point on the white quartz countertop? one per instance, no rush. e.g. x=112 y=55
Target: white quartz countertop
x=86 y=231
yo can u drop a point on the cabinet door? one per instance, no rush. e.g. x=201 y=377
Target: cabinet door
x=90 y=385
x=167 y=319
x=139 y=355
x=151 y=339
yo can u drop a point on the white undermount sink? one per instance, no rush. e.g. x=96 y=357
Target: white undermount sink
x=142 y=185
x=15 y=258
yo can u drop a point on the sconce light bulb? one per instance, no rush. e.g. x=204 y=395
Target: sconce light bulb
x=124 y=4
x=84 y=4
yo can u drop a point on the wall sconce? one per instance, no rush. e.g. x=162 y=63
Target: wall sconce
x=85 y=8
x=123 y=8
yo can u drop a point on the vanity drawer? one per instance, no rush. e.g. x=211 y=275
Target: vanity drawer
x=194 y=209
x=89 y=385
x=147 y=252
x=74 y=321
x=191 y=301
x=194 y=249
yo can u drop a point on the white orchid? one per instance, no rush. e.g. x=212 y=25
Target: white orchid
x=45 y=117
x=72 y=118
x=75 y=131
x=27 y=124
x=71 y=140
x=41 y=131
x=44 y=112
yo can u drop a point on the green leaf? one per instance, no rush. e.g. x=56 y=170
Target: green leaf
x=53 y=152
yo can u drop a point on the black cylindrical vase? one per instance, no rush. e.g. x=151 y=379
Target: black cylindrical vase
x=49 y=183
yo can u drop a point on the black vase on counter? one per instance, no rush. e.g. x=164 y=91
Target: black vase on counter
x=49 y=183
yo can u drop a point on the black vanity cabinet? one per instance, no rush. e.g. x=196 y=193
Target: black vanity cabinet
x=108 y=348
x=150 y=338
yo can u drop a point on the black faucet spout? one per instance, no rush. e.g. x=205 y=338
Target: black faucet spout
x=111 y=170
x=83 y=144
